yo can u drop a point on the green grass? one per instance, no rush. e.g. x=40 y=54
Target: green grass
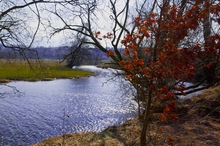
x=37 y=70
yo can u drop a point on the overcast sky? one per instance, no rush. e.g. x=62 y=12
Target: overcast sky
x=102 y=23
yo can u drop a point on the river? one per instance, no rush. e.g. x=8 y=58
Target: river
x=33 y=111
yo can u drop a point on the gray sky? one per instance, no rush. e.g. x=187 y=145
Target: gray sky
x=102 y=23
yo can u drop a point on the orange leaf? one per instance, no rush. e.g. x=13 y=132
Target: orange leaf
x=110 y=53
x=97 y=35
x=174 y=116
x=137 y=21
x=140 y=62
x=128 y=67
x=171 y=105
x=165 y=89
x=170 y=138
x=152 y=21
x=166 y=110
x=146 y=70
x=163 y=118
x=147 y=35
x=127 y=52
x=143 y=29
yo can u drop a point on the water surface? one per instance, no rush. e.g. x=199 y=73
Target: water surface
x=38 y=110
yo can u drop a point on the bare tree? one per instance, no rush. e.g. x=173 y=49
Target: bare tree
x=16 y=33
x=85 y=21
x=78 y=53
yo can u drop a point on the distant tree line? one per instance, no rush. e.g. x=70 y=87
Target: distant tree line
x=71 y=54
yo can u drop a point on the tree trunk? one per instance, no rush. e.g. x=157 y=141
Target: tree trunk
x=143 y=137
x=209 y=72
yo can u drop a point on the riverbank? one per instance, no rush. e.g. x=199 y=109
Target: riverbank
x=37 y=70
x=198 y=124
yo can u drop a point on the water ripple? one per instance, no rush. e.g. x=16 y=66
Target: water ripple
x=45 y=109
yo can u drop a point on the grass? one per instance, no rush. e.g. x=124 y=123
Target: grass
x=36 y=70
x=198 y=124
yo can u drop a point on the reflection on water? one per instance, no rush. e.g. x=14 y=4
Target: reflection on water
x=188 y=84
x=49 y=108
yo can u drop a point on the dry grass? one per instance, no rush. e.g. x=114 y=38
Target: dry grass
x=198 y=125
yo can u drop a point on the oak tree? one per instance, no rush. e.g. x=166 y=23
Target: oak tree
x=164 y=43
